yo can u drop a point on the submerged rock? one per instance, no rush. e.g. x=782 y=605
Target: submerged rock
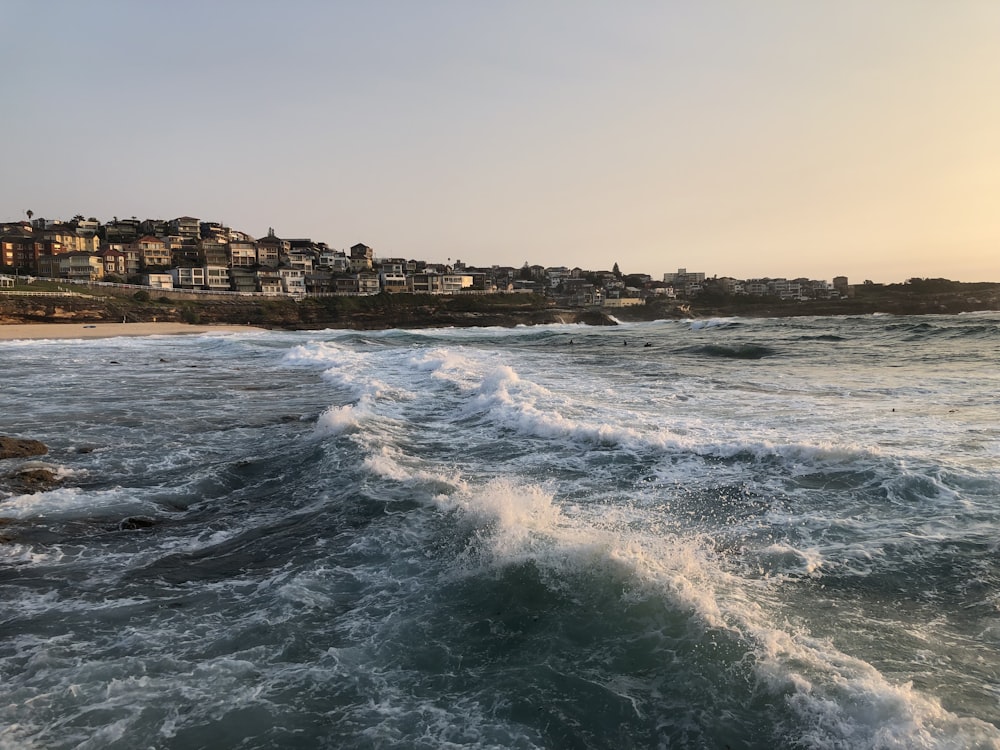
x=134 y=523
x=11 y=447
x=33 y=480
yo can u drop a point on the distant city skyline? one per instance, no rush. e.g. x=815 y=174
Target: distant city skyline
x=779 y=139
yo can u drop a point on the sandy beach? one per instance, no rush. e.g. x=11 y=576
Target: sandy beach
x=107 y=330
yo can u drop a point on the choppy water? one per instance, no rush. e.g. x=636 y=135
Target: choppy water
x=749 y=534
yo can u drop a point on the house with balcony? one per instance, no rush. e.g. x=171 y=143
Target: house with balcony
x=347 y=284
x=80 y=266
x=391 y=281
x=213 y=230
x=302 y=259
x=270 y=249
x=217 y=278
x=186 y=226
x=155 y=227
x=361 y=257
x=454 y=283
x=425 y=283
x=183 y=250
x=188 y=277
x=21 y=250
x=336 y=260
x=70 y=240
x=242 y=279
x=242 y=254
x=293 y=281
x=159 y=280
x=153 y=251
x=269 y=281
x=115 y=261
x=122 y=230
x=213 y=252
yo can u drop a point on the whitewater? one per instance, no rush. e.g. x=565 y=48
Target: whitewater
x=729 y=533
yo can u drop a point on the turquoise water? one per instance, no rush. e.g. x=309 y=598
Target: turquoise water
x=750 y=533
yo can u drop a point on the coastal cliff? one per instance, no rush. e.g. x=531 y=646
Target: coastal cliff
x=100 y=305
x=359 y=313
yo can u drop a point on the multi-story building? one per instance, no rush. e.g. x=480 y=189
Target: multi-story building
x=122 y=230
x=190 y=277
x=453 y=283
x=153 y=251
x=361 y=257
x=392 y=281
x=242 y=253
x=115 y=261
x=269 y=281
x=368 y=283
x=214 y=230
x=293 y=281
x=155 y=227
x=71 y=241
x=75 y=266
x=20 y=249
x=159 y=280
x=356 y=283
x=213 y=251
x=336 y=260
x=270 y=249
x=302 y=259
x=183 y=250
x=186 y=226
x=242 y=279
x=217 y=278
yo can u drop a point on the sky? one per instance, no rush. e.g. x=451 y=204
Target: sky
x=736 y=138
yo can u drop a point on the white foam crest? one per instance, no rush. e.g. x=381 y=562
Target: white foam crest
x=530 y=409
x=700 y=324
x=349 y=369
x=340 y=419
x=316 y=353
x=783 y=558
x=514 y=523
x=447 y=365
x=510 y=401
x=840 y=701
x=73 y=502
x=387 y=462
x=26 y=554
x=844 y=702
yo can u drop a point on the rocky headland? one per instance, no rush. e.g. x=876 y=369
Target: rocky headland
x=381 y=311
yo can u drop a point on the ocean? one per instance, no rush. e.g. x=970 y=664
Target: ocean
x=731 y=533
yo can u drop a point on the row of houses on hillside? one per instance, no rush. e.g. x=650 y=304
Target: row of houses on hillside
x=187 y=253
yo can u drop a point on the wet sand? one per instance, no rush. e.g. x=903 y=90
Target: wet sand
x=108 y=330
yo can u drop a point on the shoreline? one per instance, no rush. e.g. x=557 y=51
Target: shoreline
x=41 y=331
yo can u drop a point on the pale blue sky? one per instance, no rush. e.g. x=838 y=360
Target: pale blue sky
x=775 y=137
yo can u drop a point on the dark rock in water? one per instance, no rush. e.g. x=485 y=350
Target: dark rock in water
x=11 y=447
x=85 y=449
x=595 y=318
x=134 y=523
x=33 y=480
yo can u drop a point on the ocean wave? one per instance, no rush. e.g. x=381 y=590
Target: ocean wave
x=741 y=351
x=833 y=699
